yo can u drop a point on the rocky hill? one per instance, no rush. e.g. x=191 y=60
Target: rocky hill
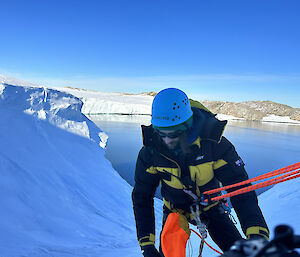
x=252 y=110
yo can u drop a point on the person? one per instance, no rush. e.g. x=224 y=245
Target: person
x=184 y=150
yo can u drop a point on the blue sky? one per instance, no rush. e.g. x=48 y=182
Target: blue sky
x=216 y=50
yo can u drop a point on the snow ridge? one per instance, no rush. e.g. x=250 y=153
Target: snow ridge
x=60 y=109
x=59 y=195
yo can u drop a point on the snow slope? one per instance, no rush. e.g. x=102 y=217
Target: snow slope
x=281 y=204
x=60 y=196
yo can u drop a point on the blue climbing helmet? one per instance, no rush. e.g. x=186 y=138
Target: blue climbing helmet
x=171 y=108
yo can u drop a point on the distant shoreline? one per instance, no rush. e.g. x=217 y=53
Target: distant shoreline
x=219 y=116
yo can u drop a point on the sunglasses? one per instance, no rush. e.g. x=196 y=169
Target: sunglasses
x=172 y=135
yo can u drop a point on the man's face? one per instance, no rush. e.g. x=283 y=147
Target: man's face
x=171 y=138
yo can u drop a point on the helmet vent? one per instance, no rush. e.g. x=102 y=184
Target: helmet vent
x=176 y=117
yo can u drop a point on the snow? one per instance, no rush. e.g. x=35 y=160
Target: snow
x=281 y=119
x=281 y=204
x=228 y=117
x=1 y=88
x=112 y=103
x=60 y=196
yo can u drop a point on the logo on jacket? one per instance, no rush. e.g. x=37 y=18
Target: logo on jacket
x=200 y=157
x=239 y=162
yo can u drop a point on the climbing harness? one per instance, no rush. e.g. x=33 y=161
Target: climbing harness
x=195 y=209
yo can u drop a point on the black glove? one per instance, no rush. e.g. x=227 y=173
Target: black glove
x=150 y=251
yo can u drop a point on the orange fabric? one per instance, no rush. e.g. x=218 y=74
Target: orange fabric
x=175 y=235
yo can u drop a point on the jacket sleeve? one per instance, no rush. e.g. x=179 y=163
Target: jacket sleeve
x=229 y=169
x=146 y=182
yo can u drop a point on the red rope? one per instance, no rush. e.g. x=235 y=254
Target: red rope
x=293 y=171
x=260 y=185
x=206 y=242
x=264 y=176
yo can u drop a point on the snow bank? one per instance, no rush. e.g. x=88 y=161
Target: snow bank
x=59 y=195
x=59 y=109
x=228 y=117
x=280 y=119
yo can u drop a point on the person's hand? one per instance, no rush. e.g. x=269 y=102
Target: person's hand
x=150 y=251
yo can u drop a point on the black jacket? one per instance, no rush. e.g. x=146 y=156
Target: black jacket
x=213 y=160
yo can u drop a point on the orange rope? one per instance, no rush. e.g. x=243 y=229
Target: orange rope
x=264 y=176
x=293 y=171
x=273 y=181
x=206 y=242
